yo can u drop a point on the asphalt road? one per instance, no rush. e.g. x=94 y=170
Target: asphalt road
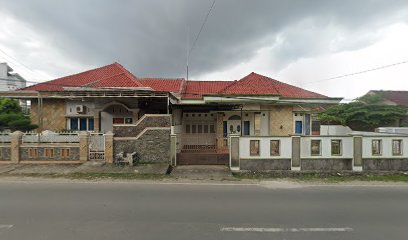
x=45 y=210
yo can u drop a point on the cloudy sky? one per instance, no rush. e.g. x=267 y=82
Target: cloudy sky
x=300 y=42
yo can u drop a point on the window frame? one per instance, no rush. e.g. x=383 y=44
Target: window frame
x=279 y=147
x=258 y=153
x=340 y=147
x=379 y=146
x=400 y=147
x=311 y=147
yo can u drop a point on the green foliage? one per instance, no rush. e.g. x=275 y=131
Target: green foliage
x=12 y=118
x=8 y=105
x=365 y=114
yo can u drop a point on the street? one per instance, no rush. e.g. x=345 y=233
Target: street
x=140 y=210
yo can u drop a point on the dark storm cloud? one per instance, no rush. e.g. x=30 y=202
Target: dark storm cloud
x=150 y=37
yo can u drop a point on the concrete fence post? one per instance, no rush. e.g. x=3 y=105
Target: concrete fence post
x=16 y=140
x=83 y=146
x=173 y=149
x=234 y=152
x=109 y=147
x=357 y=153
x=295 y=166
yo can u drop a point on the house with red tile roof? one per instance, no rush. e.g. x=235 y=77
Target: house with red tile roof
x=203 y=113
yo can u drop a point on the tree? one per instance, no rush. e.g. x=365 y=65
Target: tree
x=12 y=118
x=364 y=114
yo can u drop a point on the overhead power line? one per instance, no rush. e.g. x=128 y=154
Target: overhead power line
x=360 y=72
x=190 y=49
x=23 y=65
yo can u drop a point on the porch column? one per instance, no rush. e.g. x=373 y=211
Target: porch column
x=16 y=140
x=220 y=130
x=357 y=153
x=83 y=146
x=96 y=120
x=109 y=147
x=295 y=153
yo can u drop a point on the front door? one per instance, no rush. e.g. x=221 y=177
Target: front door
x=234 y=127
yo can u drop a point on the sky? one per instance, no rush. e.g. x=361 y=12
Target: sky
x=300 y=42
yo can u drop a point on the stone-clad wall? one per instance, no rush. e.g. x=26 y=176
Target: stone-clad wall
x=152 y=147
x=132 y=130
x=385 y=164
x=326 y=164
x=265 y=164
x=73 y=156
x=5 y=153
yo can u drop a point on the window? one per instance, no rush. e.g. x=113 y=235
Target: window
x=254 y=148
x=336 y=147
x=65 y=152
x=298 y=127
x=257 y=124
x=118 y=120
x=396 y=147
x=83 y=124
x=49 y=152
x=193 y=128
x=32 y=153
x=315 y=127
x=205 y=128
x=376 y=147
x=212 y=128
x=128 y=120
x=275 y=147
x=315 y=148
x=246 y=128
x=188 y=130
x=200 y=128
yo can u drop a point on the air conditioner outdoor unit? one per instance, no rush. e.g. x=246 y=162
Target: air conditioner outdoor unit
x=80 y=108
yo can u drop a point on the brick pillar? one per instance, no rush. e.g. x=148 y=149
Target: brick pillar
x=16 y=140
x=220 y=130
x=173 y=149
x=109 y=147
x=234 y=151
x=83 y=146
x=295 y=153
x=357 y=153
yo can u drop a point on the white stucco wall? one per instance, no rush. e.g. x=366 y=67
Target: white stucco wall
x=346 y=147
x=386 y=148
x=264 y=150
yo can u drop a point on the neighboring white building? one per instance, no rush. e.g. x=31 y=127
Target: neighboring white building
x=10 y=81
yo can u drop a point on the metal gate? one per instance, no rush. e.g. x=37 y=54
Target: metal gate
x=96 y=147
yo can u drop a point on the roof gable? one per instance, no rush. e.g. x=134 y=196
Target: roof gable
x=256 y=84
x=113 y=75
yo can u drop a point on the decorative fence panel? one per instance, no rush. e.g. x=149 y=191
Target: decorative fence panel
x=51 y=137
x=5 y=137
x=96 y=146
